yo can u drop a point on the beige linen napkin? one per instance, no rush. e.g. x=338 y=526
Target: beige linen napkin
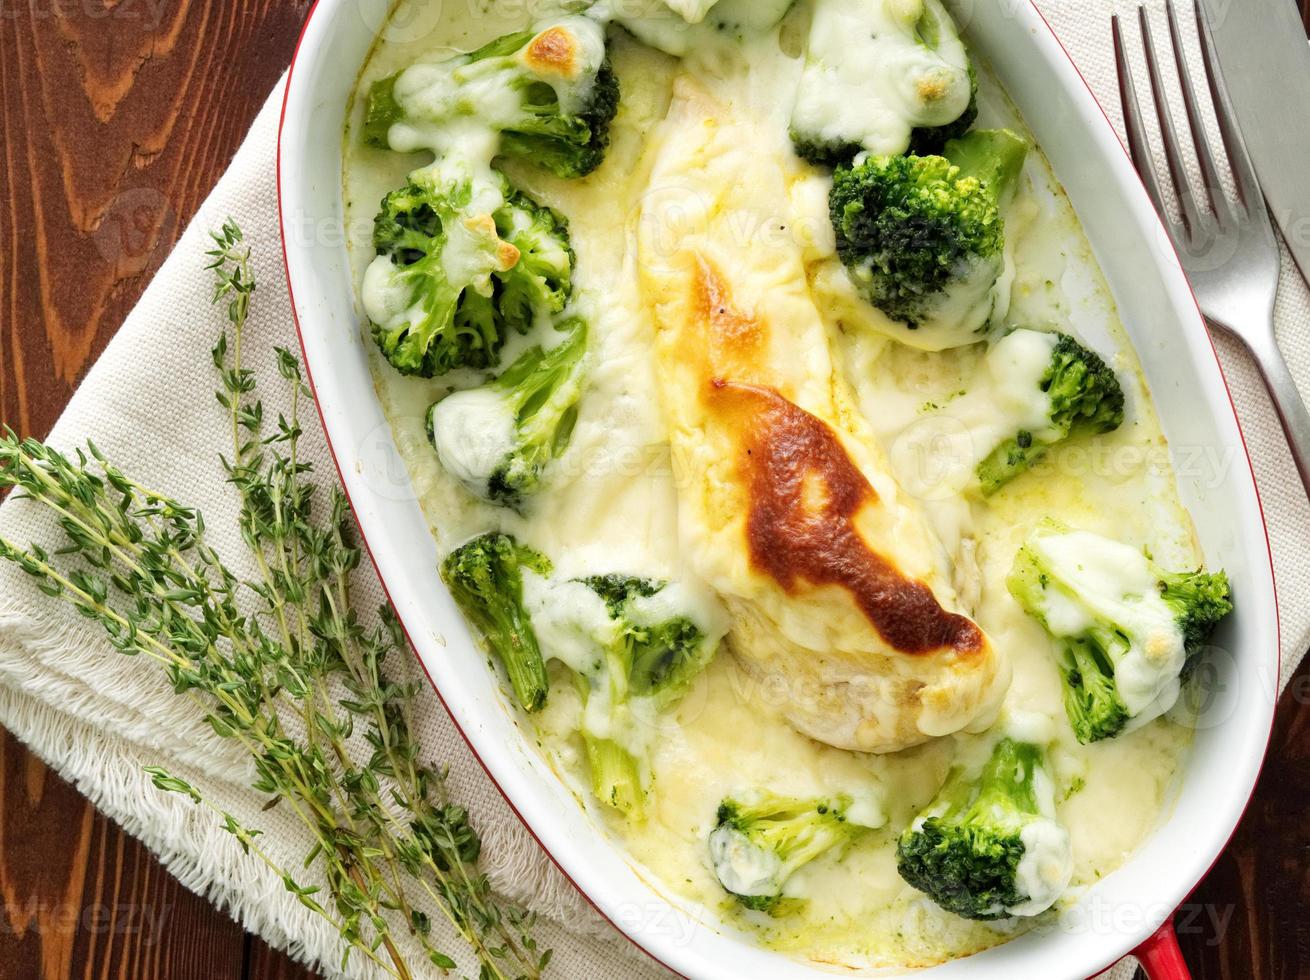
x=98 y=718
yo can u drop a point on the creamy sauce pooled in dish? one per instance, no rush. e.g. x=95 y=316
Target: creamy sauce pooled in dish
x=611 y=502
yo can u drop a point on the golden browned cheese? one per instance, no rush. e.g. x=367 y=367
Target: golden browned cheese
x=553 y=52
x=839 y=590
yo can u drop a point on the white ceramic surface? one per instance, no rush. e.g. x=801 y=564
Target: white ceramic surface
x=1154 y=300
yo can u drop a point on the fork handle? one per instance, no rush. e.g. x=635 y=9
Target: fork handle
x=1288 y=403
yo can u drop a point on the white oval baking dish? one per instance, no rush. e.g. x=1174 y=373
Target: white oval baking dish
x=1123 y=911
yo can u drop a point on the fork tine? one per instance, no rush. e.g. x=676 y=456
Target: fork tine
x=1214 y=187
x=1138 y=145
x=1248 y=187
x=1168 y=131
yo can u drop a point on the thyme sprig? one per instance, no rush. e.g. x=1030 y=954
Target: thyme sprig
x=279 y=662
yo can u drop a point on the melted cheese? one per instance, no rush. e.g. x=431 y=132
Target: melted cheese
x=871 y=80
x=1045 y=868
x=742 y=867
x=565 y=55
x=940 y=453
x=683 y=27
x=615 y=506
x=474 y=432
x=1095 y=580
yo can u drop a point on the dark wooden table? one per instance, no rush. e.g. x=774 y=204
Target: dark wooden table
x=117 y=118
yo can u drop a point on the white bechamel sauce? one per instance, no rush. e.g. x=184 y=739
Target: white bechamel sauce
x=871 y=81
x=1096 y=580
x=1032 y=727
x=614 y=508
x=474 y=432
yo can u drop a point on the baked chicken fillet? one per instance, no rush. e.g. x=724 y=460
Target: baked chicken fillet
x=840 y=592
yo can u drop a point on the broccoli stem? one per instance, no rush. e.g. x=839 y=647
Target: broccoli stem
x=1091 y=696
x=383 y=112
x=615 y=775
x=1004 y=785
x=993 y=156
x=485 y=578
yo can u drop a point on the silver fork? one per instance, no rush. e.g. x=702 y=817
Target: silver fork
x=1227 y=247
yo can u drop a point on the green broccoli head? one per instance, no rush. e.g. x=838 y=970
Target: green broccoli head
x=568 y=145
x=1200 y=600
x=651 y=648
x=760 y=841
x=1126 y=631
x=485 y=578
x=987 y=846
x=540 y=285
x=430 y=315
x=460 y=266
x=634 y=645
x=1085 y=399
x=550 y=95
x=923 y=236
x=662 y=654
x=499 y=439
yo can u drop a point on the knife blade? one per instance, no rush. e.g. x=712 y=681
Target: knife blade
x=1263 y=54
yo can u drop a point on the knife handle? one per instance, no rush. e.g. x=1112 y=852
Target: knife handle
x=1288 y=403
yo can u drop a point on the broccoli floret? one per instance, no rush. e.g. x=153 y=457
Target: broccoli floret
x=550 y=95
x=634 y=645
x=758 y=843
x=930 y=98
x=462 y=262
x=567 y=145
x=650 y=654
x=541 y=283
x=988 y=847
x=821 y=152
x=485 y=577
x=662 y=657
x=923 y=237
x=1085 y=399
x=1200 y=600
x=1127 y=632
x=499 y=439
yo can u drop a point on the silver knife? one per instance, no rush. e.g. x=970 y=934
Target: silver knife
x=1265 y=60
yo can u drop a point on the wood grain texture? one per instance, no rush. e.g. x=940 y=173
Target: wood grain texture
x=117 y=116
x=82 y=899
